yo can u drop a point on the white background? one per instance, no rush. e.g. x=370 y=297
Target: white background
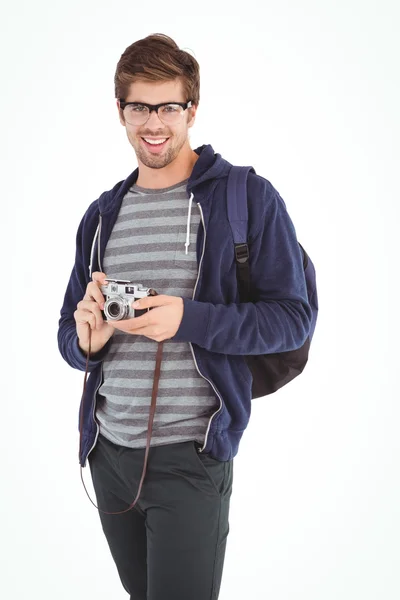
x=315 y=504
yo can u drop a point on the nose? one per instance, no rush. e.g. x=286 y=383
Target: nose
x=154 y=120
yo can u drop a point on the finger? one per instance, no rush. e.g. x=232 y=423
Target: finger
x=131 y=324
x=85 y=316
x=92 y=320
x=150 y=301
x=99 y=279
x=122 y=326
x=93 y=292
x=98 y=276
x=92 y=307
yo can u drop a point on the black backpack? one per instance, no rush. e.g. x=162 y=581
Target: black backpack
x=270 y=371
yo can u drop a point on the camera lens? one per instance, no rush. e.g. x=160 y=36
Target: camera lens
x=114 y=309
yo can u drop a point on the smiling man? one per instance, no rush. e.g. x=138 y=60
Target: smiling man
x=165 y=227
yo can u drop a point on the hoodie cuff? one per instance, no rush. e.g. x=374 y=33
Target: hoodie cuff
x=95 y=358
x=194 y=324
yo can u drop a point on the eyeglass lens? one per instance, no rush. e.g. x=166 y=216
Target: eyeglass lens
x=138 y=114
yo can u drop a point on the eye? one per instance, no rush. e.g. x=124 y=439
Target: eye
x=138 y=108
x=171 y=108
x=135 y=108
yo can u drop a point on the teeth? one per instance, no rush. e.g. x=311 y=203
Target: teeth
x=155 y=142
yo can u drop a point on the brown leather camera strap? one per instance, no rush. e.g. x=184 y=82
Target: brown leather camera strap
x=150 y=425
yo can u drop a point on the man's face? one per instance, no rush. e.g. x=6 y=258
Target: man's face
x=156 y=93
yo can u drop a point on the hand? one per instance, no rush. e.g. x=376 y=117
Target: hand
x=88 y=316
x=160 y=323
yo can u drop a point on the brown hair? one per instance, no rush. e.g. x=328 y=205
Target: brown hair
x=157 y=58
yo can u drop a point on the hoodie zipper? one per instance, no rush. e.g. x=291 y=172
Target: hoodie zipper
x=190 y=344
x=101 y=364
x=94 y=409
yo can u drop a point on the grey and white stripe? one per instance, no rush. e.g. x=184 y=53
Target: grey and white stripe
x=147 y=246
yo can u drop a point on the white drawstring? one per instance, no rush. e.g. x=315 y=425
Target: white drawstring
x=187 y=243
x=91 y=252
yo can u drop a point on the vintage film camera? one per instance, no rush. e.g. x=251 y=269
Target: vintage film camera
x=120 y=295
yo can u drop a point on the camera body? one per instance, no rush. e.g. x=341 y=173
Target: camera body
x=120 y=295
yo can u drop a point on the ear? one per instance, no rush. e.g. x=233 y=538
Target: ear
x=120 y=114
x=192 y=112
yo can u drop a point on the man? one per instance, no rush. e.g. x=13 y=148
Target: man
x=166 y=227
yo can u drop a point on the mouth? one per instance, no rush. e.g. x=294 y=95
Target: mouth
x=155 y=148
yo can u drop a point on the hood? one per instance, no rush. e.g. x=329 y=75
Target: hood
x=209 y=167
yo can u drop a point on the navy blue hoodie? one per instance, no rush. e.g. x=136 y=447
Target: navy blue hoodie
x=220 y=330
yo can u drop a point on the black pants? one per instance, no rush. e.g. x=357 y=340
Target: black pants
x=171 y=545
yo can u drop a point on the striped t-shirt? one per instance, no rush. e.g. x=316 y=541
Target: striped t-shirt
x=147 y=246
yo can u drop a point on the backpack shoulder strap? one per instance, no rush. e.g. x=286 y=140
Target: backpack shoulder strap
x=238 y=220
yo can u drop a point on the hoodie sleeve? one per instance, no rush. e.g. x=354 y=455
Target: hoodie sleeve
x=67 y=337
x=280 y=318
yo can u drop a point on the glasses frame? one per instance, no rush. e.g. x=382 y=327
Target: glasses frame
x=155 y=107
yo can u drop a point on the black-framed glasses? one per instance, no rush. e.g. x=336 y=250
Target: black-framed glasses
x=138 y=113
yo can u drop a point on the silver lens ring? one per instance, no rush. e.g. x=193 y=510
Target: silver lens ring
x=116 y=308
